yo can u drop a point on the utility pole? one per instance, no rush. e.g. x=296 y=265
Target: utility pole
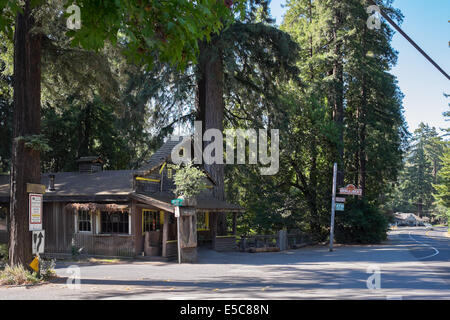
x=178 y=216
x=333 y=206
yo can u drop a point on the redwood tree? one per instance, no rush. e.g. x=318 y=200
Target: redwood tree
x=25 y=164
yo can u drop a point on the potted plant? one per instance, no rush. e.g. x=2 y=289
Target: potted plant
x=189 y=182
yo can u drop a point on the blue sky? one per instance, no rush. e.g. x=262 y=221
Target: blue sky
x=426 y=22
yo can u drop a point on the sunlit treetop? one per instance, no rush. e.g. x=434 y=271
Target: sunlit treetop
x=168 y=30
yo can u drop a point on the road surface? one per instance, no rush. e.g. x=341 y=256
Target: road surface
x=413 y=264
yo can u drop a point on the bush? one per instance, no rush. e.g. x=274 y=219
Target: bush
x=189 y=180
x=48 y=269
x=17 y=275
x=360 y=223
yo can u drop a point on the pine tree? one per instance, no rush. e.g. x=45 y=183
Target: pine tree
x=418 y=186
x=442 y=189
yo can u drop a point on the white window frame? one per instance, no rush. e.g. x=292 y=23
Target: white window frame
x=77 y=230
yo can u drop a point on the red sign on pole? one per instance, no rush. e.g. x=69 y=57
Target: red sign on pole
x=350 y=190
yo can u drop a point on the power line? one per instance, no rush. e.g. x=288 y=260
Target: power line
x=415 y=45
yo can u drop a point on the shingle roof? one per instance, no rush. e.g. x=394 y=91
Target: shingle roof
x=160 y=156
x=164 y=154
x=68 y=184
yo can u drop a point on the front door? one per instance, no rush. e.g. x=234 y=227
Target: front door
x=152 y=226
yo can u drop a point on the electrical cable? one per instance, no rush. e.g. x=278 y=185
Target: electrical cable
x=415 y=45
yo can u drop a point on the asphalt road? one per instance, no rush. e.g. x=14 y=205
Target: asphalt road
x=413 y=264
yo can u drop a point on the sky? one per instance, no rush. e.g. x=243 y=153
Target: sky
x=427 y=23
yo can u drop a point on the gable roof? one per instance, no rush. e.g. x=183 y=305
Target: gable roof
x=164 y=154
x=159 y=157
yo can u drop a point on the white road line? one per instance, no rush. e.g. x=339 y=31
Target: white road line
x=426 y=244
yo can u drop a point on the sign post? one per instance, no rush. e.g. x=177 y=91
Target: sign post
x=333 y=206
x=178 y=216
x=35 y=212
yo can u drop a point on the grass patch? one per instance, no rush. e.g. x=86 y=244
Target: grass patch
x=18 y=275
x=101 y=260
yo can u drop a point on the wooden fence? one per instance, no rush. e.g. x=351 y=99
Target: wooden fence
x=282 y=240
x=104 y=245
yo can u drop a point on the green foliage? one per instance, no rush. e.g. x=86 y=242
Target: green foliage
x=442 y=190
x=6 y=105
x=36 y=142
x=360 y=223
x=148 y=30
x=189 y=181
x=47 y=269
x=75 y=129
x=421 y=172
x=168 y=30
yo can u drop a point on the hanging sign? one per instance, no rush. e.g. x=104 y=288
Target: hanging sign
x=350 y=190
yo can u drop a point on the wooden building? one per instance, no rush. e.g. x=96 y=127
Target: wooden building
x=123 y=212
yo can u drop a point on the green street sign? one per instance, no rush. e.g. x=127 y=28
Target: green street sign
x=177 y=202
x=340 y=207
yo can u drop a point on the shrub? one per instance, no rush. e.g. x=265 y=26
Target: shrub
x=189 y=181
x=360 y=223
x=17 y=275
x=48 y=269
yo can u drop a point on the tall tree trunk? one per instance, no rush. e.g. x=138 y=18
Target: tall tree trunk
x=338 y=93
x=361 y=122
x=210 y=109
x=25 y=164
x=361 y=116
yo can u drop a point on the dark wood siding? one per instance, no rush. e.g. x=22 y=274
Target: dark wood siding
x=59 y=227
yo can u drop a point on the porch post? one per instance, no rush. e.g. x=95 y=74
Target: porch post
x=165 y=233
x=213 y=223
x=234 y=223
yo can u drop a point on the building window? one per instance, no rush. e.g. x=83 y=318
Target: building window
x=84 y=221
x=114 y=222
x=203 y=221
x=151 y=220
